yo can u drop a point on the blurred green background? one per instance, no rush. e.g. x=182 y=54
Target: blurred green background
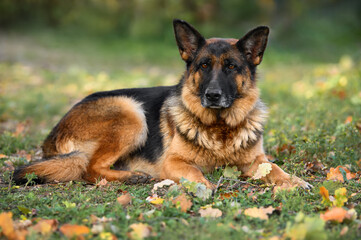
x=55 y=52
x=313 y=25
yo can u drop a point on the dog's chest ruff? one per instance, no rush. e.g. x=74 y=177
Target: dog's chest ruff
x=218 y=136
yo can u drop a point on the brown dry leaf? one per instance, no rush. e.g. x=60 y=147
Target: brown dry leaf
x=335 y=174
x=337 y=214
x=46 y=226
x=139 y=231
x=3 y=156
x=314 y=166
x=125 y=199
x=228 y=195
x=182 y=202
x=70 y=230
x=260 y=213
x=210 y=212
x=102 y=183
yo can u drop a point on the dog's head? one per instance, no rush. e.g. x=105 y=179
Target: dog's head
x=219 y=71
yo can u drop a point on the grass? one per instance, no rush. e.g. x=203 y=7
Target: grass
x=314 y=117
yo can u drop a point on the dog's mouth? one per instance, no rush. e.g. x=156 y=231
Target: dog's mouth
x=220 y=104
x=215 y=107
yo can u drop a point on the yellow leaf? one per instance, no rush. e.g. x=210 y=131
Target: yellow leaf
x=139 y=231
x=7 y=225
x=70 y=230
x=263 y=170
x=340 y=197
x=155 y=200
x=210 y=212
x=260 y=213
x=46 y=226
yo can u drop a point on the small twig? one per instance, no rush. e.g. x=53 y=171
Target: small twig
x=10 y=182
x=218 y=183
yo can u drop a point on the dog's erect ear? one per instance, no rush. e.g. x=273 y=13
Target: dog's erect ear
x=189 y=40
x=253 y=44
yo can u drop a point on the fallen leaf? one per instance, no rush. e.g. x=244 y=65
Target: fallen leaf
x=198 y=189
x=348 y=119
x=24 y=210
x=7 y=225
x=325 y=196
x=161 y=184
x=107 y=236
x=182 y=202
x=337 y=214
x=263 y=170
x=97 y=228
x=340 y=197
x=70 y=230
x=285 y=148
x=231 y=172
x=306 y=227
x=314 y=166
x=344 y=230
x=210 y=212
x=3 y=156
x=335 y=174
x=46 y=226
x=102 y=183
x=94 y=219
x=261 y=213
x=228 y=195
x=139 y=231
x=155 y=200
x=125 y=199
x=20 y=127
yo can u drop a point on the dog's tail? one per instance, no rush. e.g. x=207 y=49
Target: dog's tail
x=60 y=168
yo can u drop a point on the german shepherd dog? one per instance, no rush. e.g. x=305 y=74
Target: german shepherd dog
x=212 y=117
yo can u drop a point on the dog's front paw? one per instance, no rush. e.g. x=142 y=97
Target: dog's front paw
x=292 y=182
x=298 y=182
x=138 y=178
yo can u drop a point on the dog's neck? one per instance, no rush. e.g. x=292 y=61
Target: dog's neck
x=219 y=133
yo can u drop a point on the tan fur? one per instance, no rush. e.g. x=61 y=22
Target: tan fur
x=90 y=138
x=139 y=164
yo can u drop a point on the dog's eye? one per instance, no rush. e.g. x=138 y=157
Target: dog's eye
x=204 y=65
x=231 y=66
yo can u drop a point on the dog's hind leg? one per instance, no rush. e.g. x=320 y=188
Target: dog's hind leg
x=125 y=130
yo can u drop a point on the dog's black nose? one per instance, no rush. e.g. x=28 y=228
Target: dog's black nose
x=213 y=95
